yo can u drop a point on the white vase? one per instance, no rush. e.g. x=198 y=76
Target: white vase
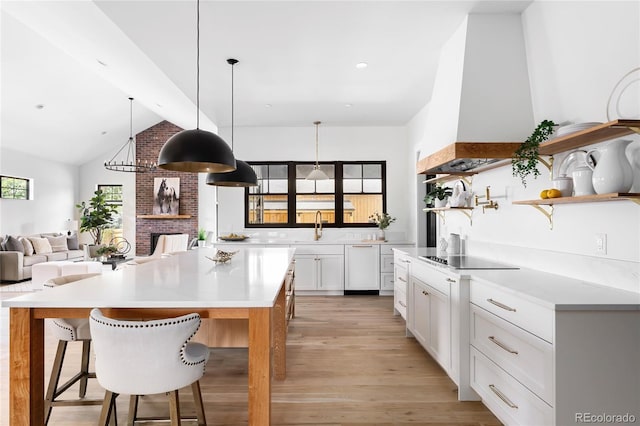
x=613 y=172
x=437 y=203
x=201 y=243
x=381 y=235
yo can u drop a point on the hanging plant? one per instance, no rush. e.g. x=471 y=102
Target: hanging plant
x=525 y=159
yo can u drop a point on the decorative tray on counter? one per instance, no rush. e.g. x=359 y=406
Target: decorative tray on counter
x=222 y=256
x=233 y=237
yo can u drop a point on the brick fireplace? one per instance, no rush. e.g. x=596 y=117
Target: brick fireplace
x=148 y=145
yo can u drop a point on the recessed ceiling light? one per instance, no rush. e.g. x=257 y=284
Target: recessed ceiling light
x=348 y=105
x=268 y=105
x=104 y=132
x=101 y=63
x=361 y=65
x=39 y=106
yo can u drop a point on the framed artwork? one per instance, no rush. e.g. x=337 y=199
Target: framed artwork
x=166 y=196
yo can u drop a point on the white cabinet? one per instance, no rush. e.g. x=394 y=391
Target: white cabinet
x=362 y=267
x=401 y=264
x=429 y=320
x=387 y=270
x=319 y=268
x=533 y=364
x=437 y=315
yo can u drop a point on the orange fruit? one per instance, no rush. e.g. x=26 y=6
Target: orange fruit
x=554 y=193
x=544 y=194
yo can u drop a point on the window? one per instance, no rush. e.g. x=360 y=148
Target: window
x=353 y=192
x=14 y=188
x=113 y=196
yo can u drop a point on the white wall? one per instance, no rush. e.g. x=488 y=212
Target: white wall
x=55 y=189
x=576 y=52
x=335 y=144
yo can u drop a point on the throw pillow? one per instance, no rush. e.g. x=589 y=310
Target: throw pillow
x=72 y=242
x=28 y=247
x=58 y=243
x=41 y=245
x=14 y=244
x=3 y=243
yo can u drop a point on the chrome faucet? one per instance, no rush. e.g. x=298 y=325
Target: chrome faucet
x=317 y=226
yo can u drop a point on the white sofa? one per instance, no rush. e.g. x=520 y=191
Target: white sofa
x=16 y=260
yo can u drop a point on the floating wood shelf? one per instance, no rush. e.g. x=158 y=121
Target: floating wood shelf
x=602 y=132
x=548 y=203
x=163 y=216
x=597 y=198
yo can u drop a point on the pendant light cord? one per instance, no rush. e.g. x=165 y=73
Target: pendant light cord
x=317 y=123
x=130 y=118
x=198 y=66
x=232 y=105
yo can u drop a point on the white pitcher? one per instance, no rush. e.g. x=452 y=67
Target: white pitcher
x=613 y=172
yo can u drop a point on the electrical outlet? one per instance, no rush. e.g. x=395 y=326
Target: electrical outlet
x=601 y=243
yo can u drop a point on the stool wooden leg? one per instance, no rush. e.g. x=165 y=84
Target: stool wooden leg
x=84 y=367
x=174 y=408
x=54 y=379
x=133 y=410
x=197 y=398
x=108 y=414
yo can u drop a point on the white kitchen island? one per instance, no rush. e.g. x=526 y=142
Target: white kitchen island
x=249 y=287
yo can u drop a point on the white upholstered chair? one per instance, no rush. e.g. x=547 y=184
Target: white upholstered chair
x=148 y=357
x=69 y=330
x=165 y=246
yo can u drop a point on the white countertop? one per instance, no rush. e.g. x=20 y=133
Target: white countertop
x=294 y=242
x=251 y=279
x=557 y=292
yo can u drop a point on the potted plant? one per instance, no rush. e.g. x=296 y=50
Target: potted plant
x=383 y=221
x=95 y=217
x=106 y=251
x=438 y=195
x=202 y=236
x=525 y=159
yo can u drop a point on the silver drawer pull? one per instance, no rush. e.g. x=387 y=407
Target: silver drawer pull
x=502 y=397
x=362 y=246
x=502 y=345
x=501 y=305
x=450 y=280
x=402 y=279
x=402 y=303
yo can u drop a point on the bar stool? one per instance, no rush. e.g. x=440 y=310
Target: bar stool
x=148 y=357
x=69 y=330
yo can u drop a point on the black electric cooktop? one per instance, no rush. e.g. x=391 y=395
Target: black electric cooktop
x=466 y=262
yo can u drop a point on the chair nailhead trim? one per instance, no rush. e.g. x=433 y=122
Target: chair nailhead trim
x=64 y=327
x=162 y=324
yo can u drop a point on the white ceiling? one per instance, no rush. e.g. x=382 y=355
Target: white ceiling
x=297 y=56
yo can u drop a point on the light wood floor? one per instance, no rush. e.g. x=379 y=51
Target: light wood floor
x=349 y=363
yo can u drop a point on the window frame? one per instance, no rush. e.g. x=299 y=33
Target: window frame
x=28 y=185
x=339 y=194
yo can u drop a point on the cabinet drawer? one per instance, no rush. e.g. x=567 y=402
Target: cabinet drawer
x=528 y=315
x=434 y=277
x=509 y=400
x=386 y=282
x=319 y=249
x=388 y=248
x=524 y=356
x=386 y=263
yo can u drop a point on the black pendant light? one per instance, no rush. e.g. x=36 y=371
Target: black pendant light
x=127 y=161
x=244 y=175
x=196 y=150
